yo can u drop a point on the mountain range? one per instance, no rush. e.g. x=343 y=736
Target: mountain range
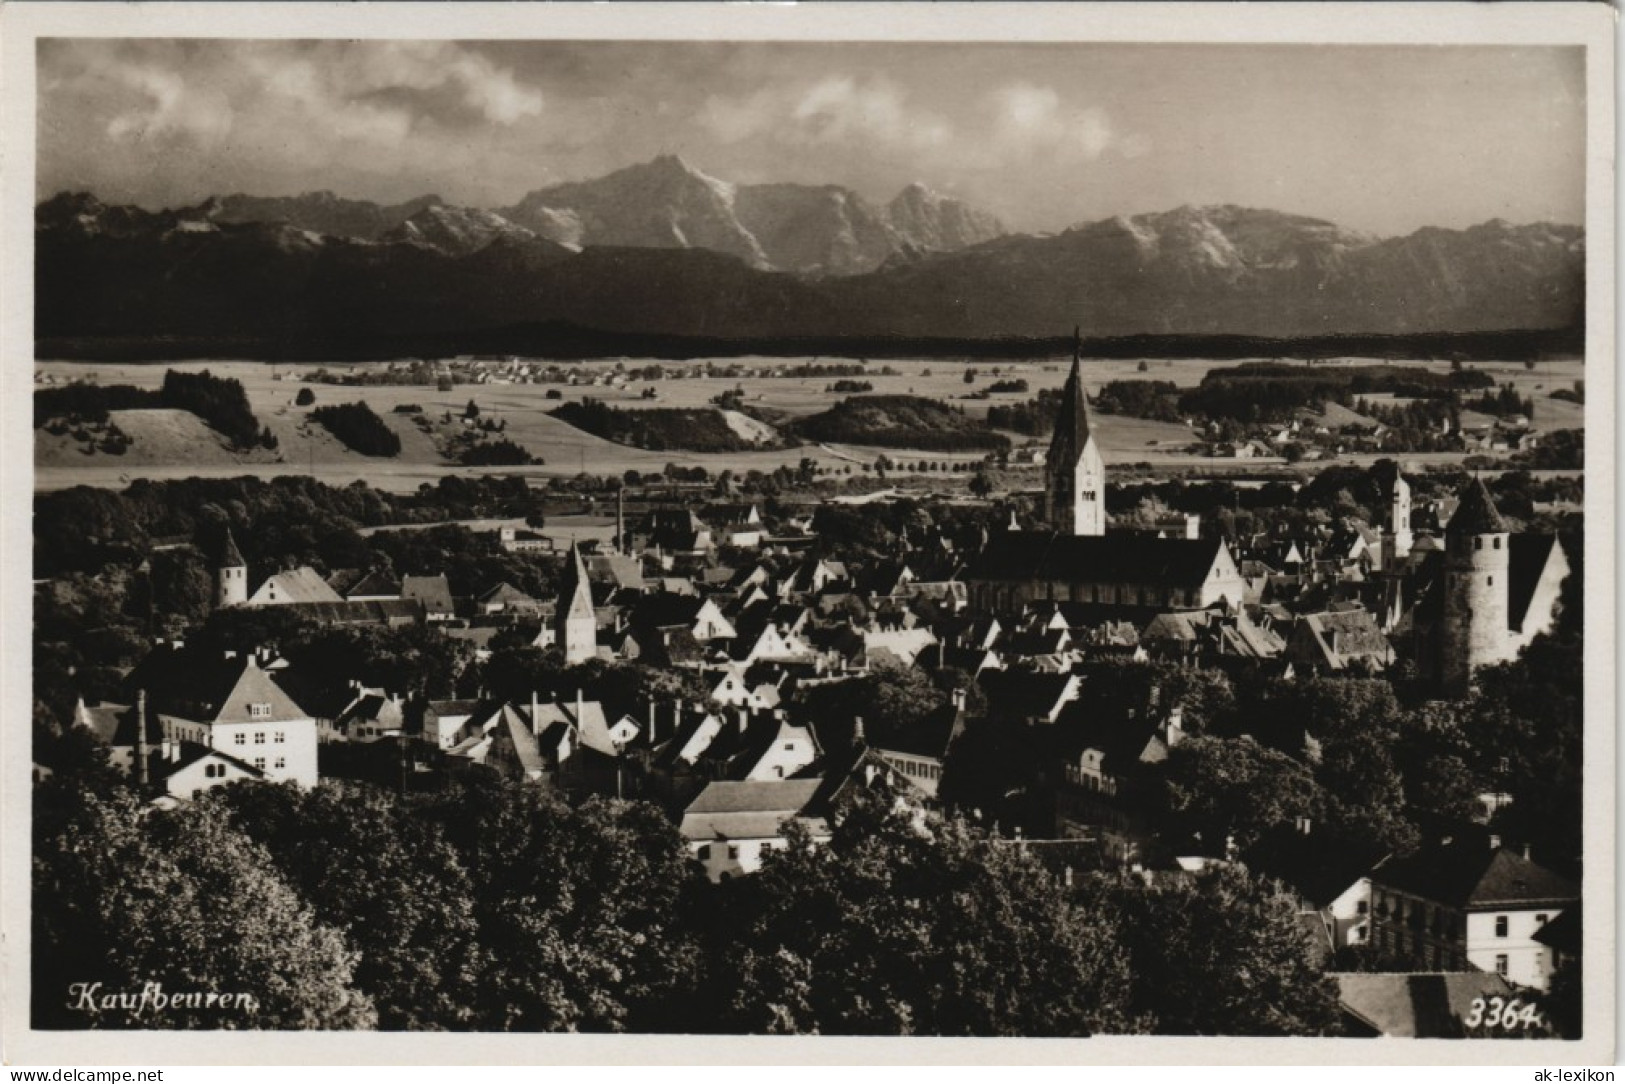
x=663 y=248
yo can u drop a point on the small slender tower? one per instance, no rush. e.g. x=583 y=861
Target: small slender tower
x=1473 y=630
x=1075 y=473
x=1397 y=538
x=575 y=627
x=231 y=578
x=621 y=546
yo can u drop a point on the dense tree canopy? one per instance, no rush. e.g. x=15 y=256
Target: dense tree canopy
x=889 y=930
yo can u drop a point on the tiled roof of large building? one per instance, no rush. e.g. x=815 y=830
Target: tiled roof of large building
x=729 y=810
x=1111 y=558
x=206 y=688
x=1432 y=1005
x=1475 y=878
x=296 y=585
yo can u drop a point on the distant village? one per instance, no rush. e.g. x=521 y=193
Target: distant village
x=761 y=616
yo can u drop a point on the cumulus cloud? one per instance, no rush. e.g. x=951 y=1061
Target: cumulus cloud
x=369 y=91
x=156 y=102
x=1037 y=119
x=838 y=109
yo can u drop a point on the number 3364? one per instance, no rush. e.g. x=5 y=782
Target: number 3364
x=1498 y=1012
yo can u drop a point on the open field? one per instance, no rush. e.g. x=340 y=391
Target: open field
x=305 y=448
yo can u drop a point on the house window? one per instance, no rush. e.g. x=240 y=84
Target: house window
x=1540 y=920
x=259 y=711
x=1500 y=925
x=1489 y=581
x=1361 y=908
x=704 y=852
x=733 y=852
x=1501 y=964
x=1497 y=542
x=281 y=762
x=259 y=762
x=241 y=739
x=259 y=737
x=279 y=737
x=789 y=746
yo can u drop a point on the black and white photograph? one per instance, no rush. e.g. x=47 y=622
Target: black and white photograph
x=886 y=534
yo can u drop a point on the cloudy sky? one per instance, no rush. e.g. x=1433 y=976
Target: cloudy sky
x=1382 y=139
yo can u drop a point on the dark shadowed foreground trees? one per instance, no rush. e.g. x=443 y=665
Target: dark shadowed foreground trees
x=890 y=931
x=126 y=895
x=1215 y=954
x=490 y=906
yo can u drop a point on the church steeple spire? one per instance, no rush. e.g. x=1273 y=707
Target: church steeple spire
x=1075 y=494
x=576 y=625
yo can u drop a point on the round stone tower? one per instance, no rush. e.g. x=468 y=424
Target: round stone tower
x=1473 y=630
x=231 y=578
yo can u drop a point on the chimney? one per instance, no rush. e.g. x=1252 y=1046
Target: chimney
x=654 y=710
x=535 y=713
x=171 y=750
x=1526 y=857
x=141 y=738
x=580 y=705
x=858 y=737
x=959 y=699
x=1495 y=842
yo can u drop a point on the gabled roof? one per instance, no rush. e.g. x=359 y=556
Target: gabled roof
x=1345 y=635
x=734 y=810
x=373 y=708
x=513 y=726
x=505 y=593
x=1022 y=694
x=761 y=735
x=1476 y=878
x=374 y=582
x=299 y=585
x=1476 y=514
x=206 y=688
x=1526 y=560
x=619 y=569
x=1025 y=556
x=383 y=611
x=193 y=752
x=1432 y=1005
x=434 y=592
x=1563 y=933
x=929 y=736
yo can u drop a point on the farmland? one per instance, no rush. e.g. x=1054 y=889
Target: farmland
x=523 y=409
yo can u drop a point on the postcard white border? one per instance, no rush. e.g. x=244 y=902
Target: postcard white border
x=1588 y=24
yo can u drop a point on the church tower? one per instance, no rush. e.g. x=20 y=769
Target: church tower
x=1396 y=536
x=574 y=625
x=231 y=578
x=1474 y=627
x=1075 y=473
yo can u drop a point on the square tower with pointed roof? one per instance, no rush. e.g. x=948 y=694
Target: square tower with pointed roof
x=1075 y=472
